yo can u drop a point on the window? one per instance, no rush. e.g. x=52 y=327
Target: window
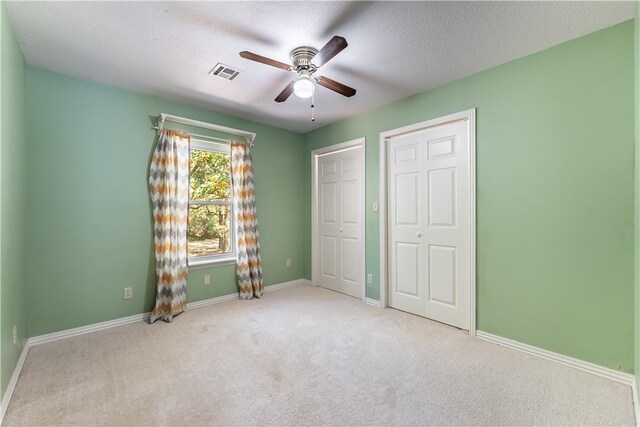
x=210 y=203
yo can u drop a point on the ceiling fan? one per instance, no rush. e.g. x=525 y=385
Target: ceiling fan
x=301 y=58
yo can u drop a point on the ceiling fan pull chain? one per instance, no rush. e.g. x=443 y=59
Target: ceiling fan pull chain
x=313 y=104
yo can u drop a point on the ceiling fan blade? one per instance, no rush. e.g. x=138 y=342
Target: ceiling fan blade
x=336 y=86
x=264 y=60
x=331 y=49
x=286 y=93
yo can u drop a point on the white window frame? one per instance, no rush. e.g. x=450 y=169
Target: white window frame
x=230 y=257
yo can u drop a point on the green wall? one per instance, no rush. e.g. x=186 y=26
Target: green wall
x=90 y=226
x=555 y=192
x=13 y=201
x=637 y=196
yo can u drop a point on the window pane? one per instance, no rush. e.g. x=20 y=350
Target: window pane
x=209 y=176
x=209 y=230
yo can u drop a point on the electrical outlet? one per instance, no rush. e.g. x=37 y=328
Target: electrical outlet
x=369 y=278
x=288 y=263
x=207 y=280
x=128 y=293
x=15 y=334
x=375 y=206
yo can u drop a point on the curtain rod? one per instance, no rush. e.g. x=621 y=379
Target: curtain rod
x=196 y=123
x=212 y=138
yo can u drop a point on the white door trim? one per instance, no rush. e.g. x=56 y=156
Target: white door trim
x=315 y=154
x=470 y=117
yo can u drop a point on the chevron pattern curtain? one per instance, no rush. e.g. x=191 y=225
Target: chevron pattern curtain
x=169 y=190
x=249 y=268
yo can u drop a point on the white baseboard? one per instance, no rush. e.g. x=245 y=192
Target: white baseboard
x=54 y=336
x=14 y=379
x=372 y=302
x=210 y=301
x=270 y=288
x=67 y=333
x=304 y=282
x=601 y=371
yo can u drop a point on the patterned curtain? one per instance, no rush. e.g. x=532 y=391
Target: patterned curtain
x=247 y=236
x=169 y=190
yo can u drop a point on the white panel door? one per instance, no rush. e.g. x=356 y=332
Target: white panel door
x=429 y=223
x=405 y=214
x=340 y=205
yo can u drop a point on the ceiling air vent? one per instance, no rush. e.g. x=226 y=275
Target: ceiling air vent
x=224 y=72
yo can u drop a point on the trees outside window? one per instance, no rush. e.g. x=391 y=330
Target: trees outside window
x=210 y=206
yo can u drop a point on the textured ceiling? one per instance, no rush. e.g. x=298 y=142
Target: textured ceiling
x=395 y=49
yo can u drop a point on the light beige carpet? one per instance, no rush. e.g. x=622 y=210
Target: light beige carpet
x=303 y=356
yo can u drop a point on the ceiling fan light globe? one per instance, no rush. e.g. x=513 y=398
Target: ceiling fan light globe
x=303 y=87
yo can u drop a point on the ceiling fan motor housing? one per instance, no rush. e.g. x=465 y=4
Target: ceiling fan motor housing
x=301 y=58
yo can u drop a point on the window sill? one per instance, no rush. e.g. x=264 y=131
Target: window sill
x=205 y=263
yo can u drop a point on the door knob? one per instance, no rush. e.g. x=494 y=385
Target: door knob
x=340 y=228
x=419 y=235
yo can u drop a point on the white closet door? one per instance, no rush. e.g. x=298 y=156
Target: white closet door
x=406 y=216
x=340 y=204
x=329 y=221
x=429 y=214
